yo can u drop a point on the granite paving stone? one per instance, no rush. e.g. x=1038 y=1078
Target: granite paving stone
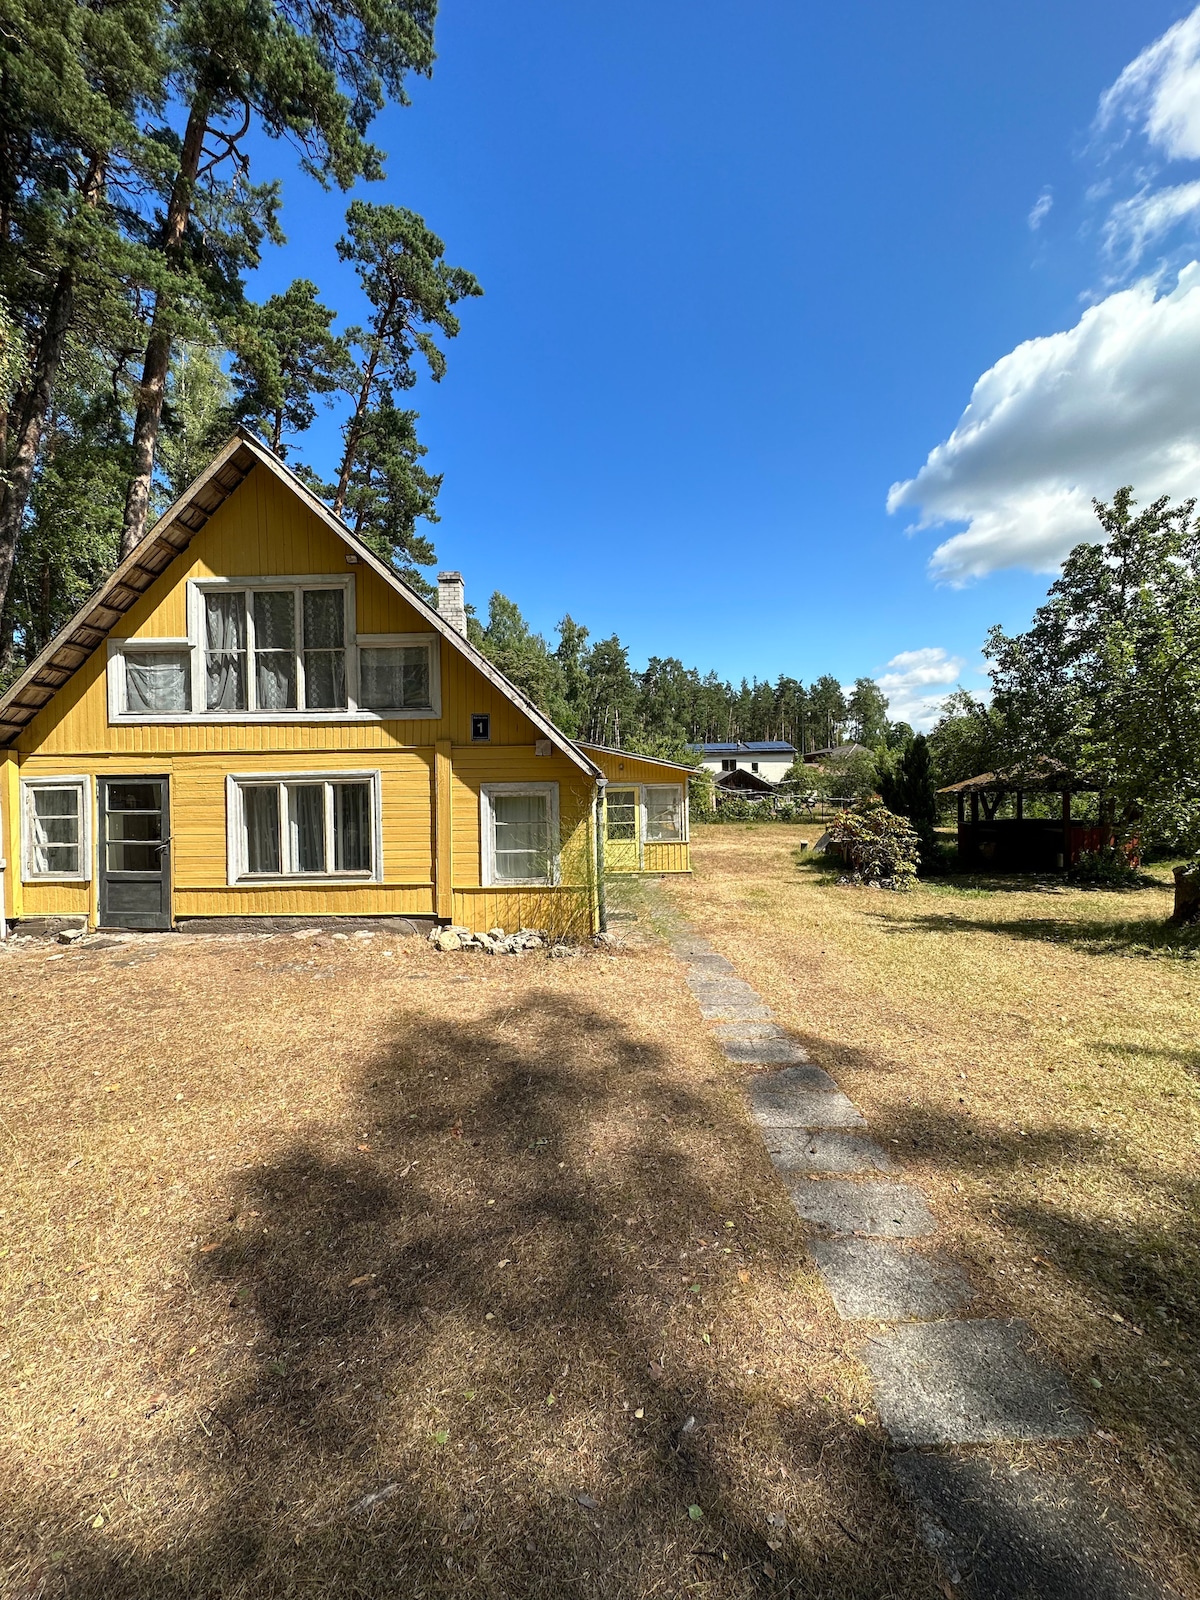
x=801 y=1097
x=727 y=998
x=1003 y=1532
x=764 y=1052
x=876 y=1280
x=796 y=1151
x=969 y=1383
x=739 y=1032
x=875 y=1207
x=710 y=965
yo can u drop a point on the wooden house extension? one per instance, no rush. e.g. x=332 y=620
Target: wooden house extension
x=646 y=816
x=255 y=717
x=988 y=842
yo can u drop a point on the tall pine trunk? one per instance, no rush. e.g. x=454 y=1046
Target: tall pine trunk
x=35 y=407
x=153 y=388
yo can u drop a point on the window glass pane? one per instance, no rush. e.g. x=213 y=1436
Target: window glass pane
x=394 y=678
x=134 y=825
x=274 y=649
x=55 y=825
x=133 y=797
x=157 y=680
x=260 y=805
x=324 y=649
x=521 y=832
x=225 y=642
x=125 y=857
x=352 y=827
x=306 y=804
x=324 y=680
x=324 y=619
x=664 y=814
x=621 y=813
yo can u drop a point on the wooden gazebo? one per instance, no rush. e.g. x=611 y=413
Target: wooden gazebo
x=1020 y=843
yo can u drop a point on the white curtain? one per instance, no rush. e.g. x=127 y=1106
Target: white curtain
x=306 y=802
x=324 y=649
x=157 y=680
x=664 y=814
x=260 y=804
x=352 y=827
x=394 y=678
x=55 y=829
x=225 y=635
x=275 y=649
x=521 y=824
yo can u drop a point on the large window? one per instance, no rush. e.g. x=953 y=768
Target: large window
x=304 y=826
x=274 y=648
x=56 y=829
x=665 y=816
x=520 y=833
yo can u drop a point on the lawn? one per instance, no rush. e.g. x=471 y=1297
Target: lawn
x=1033 y=1061
x=335 y=1266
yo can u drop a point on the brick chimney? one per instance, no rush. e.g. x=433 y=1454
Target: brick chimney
x=451 y=604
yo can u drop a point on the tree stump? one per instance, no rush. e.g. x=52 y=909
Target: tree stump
x=1187 y=893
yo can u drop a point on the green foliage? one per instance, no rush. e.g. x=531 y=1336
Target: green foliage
x=523 y=657
x=867 y=709
x=287 y=355
x=877 y=844
x=968 y=739
x=910 y=790
x=196 y=417
x=1107 y=679
x=849 y=777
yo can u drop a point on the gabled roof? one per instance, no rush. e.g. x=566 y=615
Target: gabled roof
x=1043 y=774
x=742 y=778
x=756 y=747
x=636 y=755
x=169 y=537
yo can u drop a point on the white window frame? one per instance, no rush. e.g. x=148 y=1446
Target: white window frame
x=681 y=790
x=236 y=870
x=194 y=645
x=73 y=780
x=403 y=641
x=487 y=836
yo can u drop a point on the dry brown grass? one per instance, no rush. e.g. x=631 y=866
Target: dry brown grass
x=1033 y=1061
x=289 y=1224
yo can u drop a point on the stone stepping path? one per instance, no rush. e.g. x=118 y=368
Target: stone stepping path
x=940 y=1383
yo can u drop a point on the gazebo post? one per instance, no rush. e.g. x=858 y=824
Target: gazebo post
x=1020 y=805
x=1066 y=825
x=962 y=808
x=974 y=808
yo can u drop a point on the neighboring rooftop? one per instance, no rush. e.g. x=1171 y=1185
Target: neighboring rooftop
x=755 y=747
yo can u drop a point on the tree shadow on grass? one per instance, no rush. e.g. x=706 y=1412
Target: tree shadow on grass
x=461 y=1311
x=1145 y=936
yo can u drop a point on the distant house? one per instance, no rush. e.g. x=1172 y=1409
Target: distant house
x=768 y=759
x=833 y=753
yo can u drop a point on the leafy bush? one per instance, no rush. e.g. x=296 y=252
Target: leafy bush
x=876 y=843
x=1108 y=869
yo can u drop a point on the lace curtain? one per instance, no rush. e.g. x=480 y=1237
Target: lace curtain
x=324 y=649
x=157 y=680
x=275 y=649
x=225 y=637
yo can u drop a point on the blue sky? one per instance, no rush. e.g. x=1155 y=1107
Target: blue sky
x=744 y=266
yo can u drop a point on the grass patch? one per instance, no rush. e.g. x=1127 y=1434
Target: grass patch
x=1044 y=1089
x=339 y=1267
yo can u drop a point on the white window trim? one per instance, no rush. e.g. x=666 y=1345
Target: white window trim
x=681 y=790
x=487 y=836
x=400 y=641
x=236 y=873
x=197 y=588
x=71 y=780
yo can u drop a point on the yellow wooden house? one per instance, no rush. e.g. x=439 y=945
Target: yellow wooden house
x=255 y=717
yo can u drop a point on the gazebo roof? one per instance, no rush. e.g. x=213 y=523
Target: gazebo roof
x=1044 y=773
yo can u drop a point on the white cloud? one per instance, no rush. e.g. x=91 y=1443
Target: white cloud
x=1160 y=91
x=1041 y=209
x=1133 y=225
x=1112 y=400
x=916 y=683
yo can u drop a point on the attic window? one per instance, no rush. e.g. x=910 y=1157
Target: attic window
x=271 y=649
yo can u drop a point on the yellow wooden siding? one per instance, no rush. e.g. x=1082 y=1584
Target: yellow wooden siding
x=666 y=857
x=263 y=531
x=563 y=912
x=10 y=832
